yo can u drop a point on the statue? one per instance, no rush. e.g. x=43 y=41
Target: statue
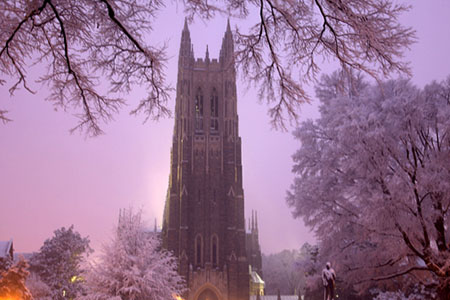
x=328 y=279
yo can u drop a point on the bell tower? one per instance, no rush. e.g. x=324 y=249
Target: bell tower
x=203 y=222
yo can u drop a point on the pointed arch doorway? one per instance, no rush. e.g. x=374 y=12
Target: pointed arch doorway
x=208 y=292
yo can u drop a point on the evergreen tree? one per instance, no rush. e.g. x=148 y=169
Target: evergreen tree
x=58 y=262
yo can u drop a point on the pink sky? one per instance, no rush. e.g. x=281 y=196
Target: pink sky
x=50 y=179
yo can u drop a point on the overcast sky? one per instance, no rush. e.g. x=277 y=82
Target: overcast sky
x=50 y=178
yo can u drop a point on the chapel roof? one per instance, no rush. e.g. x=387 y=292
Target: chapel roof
x=5 y=248
x=256 y=278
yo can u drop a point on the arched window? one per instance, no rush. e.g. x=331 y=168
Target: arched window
x=214 y=111
x=198 y=250
x=199 y=111
x=215 y=250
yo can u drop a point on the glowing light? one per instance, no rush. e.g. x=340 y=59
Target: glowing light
x=73 y=279
x=13 y=295
x=175 y=296
x=10 y=298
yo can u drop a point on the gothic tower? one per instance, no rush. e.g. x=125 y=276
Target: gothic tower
x=252 y=244
x=204 y=221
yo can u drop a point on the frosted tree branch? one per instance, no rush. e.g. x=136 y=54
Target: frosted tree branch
x=372 y=179
x=85 y=43
x=82 y=44
x=391 y=276
x=279 y=53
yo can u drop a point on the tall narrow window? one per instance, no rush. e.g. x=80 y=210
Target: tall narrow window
x=199 y=111
x=198 y=250
x=214 y=111
x=227 y=88
x=215 y=250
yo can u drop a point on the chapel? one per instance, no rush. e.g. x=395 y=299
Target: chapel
x=204 y=223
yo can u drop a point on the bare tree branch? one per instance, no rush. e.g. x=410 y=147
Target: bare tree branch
x=391 y=276
x=85 y=42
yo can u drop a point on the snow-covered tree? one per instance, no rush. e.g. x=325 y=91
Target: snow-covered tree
x=58 y=262
x=282 y=272
x=373 y=181
x=12 y=282
x=416 y=292
x=133 y=266
x=311 y=265
x=38 y=289
x=85 y=42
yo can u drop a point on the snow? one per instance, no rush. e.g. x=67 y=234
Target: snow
x=5 y=248
x=133 y=266
x=275 y=297
x=373 y=175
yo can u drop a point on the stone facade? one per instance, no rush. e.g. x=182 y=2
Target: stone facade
x=204 y=224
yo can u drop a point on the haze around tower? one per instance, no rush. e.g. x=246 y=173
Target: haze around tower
x=49 y=178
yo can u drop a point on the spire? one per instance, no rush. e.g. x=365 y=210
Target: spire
x=256 y=221
x=185 y=32
x=186 y=28
x=156 y=227
x=253 y=220
x=207 y=54
x=185 y=46
x=227 y=49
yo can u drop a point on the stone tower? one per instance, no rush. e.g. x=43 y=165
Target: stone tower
x=204 y=221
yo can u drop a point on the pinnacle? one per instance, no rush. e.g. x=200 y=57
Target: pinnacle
x=185 y=24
